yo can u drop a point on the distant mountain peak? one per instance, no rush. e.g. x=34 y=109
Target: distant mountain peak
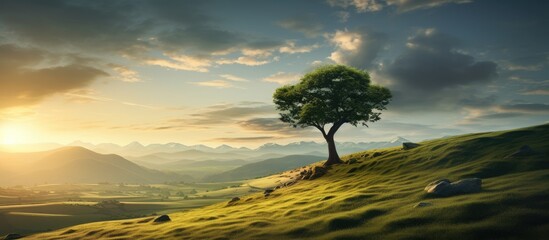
x=135 y=144
x=399 y=139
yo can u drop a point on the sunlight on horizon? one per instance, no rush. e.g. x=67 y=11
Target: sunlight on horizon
x=11 y=134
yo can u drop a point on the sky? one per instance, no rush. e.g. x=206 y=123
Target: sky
x=203 y=72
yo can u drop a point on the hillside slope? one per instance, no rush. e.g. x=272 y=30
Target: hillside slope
x=265 y=167
x=375 y=197
x=76 y=165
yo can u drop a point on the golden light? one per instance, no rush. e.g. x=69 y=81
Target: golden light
x=11 y=134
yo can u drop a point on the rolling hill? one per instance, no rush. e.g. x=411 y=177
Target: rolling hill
x=265 y=167
x=375 y=198
x=76 y=165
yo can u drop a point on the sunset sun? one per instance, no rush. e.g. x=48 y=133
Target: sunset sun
x=12 y=134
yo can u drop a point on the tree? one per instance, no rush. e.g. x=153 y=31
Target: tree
x=331 y=96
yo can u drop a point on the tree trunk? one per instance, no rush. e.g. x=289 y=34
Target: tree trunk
x=333 y=157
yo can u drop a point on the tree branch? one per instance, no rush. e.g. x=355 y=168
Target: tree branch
x=336 y=127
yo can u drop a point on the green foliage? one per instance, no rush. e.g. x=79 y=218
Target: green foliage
x=331 y=94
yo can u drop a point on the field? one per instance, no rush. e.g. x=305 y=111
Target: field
x=374 y=198
x=47 y=207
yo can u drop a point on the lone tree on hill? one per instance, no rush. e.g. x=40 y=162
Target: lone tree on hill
x=331 y=95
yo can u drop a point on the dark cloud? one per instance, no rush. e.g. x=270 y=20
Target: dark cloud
x=492 y=116
x=401 y=5
x=221 y=114
x=97 y=25
x=410 y=5
x=23 y=83
x=274 y=125
x=432 y=63
x=134 y=29
x=306 y=24
x=526 y=108
x=433 y=74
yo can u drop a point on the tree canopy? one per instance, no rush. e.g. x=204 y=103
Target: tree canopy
x=331 y=94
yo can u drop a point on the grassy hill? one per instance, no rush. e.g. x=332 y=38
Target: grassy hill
x=265 y=167
x=375 y=198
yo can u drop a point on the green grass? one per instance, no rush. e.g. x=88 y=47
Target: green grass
x=374 y=199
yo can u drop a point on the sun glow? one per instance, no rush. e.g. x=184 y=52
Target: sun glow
x=12 y=134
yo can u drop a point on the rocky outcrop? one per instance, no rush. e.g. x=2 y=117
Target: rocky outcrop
x=409 y=145
x=445 y=188
x=162 y=218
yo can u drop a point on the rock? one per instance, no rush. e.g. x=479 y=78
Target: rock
x=235 y=199
x=445 y=188
x=352 y=161
x=317 y=172
x=523 y=151
x=13 y=236
x=468 y=185
x=422 y=204
x=162 y=218
x=377 y=154
x=409 y=145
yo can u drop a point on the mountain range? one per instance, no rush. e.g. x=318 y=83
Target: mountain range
x=136 y=149
x=76 y=165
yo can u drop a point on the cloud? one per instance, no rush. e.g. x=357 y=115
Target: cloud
x=283 y=78
x=182 y=62
x=23 y=82
x=356 y=48
x=536 y=92
x=138 y=30
x=125 y=74
x=306 y=24
x=411 y=5
x=214 y=83
x=233 y=78
x=275 y=126
x=525 y=111
x=526 y=108
x=360 y=5
x=291 y=48
x=433 y=72
x=244 y=60
x=432 y=62
x=401 y=5
x=85 y=96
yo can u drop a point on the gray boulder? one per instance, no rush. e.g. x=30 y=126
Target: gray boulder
x=409 y=145
x=445 y=188
x=235 y=199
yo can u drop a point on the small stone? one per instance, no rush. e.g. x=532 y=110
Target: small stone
x=235 y=199
x=409 y=145
x=377 y=154
x=352 y=161
x=445 y=188
x=162 y=218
